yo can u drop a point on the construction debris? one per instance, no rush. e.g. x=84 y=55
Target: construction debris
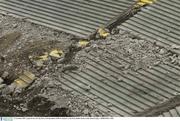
x=43 y=57
x=104 y=72
x=162 y=51
x=1 y=80
x=2 y=86
x=87 y=88
x=16 y=92
x=103 y=32
x=20 y=83
x=5 y=75
x=83 y=43
x=40 y=60
x=56 y=53
x=175 y=46
x=25 y=79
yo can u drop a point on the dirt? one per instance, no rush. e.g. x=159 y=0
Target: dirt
x=46 y=96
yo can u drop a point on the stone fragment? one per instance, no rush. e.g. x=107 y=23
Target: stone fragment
x=5 y=75
x=1 y=80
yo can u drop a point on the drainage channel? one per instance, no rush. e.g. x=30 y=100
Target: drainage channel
x=78 y=17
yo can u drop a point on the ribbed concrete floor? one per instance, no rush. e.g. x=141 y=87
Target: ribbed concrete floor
x=77 y=17
x=175 y=112
x=158 y=22
x=121 y=93
x=117 y=92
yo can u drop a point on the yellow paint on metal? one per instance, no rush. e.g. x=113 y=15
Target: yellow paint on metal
x=43 y=57
x=20 y=83
x=83 y=43
x=56 y=53
x=145 y=2
x=25 y=79
x=29 y=74
x=103 y=32
x=39 y=60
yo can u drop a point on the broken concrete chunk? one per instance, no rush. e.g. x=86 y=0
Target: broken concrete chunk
x=175 y=46
x=25 y=79
x=15 y=25
x=39 y=63
x=157 y=63
x=2 y=58
x=87 y=88
x=1 y=80
x=39 y=60
x=86 y=111
x=30 y=75
x=103 y=32
x=2 y=86
x=56 y=53
x=20 y=83
x=9 y=89
x=162 y=51
x=130 y=51
x=43 y=57
x=5 y=75
x=10 y=64
x=120 y=79
x=83 y=43
x=24 y=109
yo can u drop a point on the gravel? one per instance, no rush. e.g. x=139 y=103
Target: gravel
x=46 y=96
x=1 y=80
x=140 y=53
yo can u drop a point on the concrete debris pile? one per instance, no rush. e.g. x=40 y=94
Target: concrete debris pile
x=22 y=82
x=45 y=53
x=2 y=80
x=59 y=67
x=40 y=60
